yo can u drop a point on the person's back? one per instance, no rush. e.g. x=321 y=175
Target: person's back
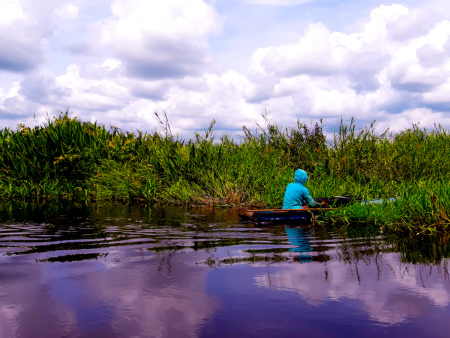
x=297 y=195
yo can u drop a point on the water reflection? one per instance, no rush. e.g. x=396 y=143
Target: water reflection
x=299 y=241
x=117 y=297
x=144 y=271
x=392 y=286
x=390 y=292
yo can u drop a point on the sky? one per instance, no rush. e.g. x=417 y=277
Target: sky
x=118 y=62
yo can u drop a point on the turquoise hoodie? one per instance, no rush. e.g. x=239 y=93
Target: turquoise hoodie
x=297 y=195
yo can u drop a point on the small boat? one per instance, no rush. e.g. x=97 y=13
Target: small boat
x=304 y=214
x=274 y=215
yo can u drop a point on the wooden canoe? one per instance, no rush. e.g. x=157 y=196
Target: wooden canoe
x=306 y=213
x=270 y=215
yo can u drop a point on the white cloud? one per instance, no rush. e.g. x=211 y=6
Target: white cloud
x=147 y=56
x=367 y=74
x=279 y=2
x=67 y=12
x=165 y=39
x=102 y=92
x=16 y=32
x=414 y=23
x=92 y=94
x=25 y=27
x=10 y=11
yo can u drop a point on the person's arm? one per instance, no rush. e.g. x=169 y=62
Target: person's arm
x=311 y=202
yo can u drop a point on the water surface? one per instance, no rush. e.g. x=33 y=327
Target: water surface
x=186 y=272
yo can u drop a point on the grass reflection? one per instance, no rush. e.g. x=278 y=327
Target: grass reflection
x=48 y=228
x=72 y=258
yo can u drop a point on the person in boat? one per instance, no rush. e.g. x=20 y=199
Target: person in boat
x=297 y=195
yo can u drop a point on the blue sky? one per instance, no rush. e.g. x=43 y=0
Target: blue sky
x=119 y=61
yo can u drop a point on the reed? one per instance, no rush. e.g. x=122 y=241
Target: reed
x=73 y=160
x=420 y=207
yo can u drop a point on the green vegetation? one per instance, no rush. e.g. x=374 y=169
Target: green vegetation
x=73 y=160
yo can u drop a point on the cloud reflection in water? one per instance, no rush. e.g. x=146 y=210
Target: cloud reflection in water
x=387 y=290
x=119 y=296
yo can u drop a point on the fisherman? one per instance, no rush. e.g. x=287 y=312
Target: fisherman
x=297 y=195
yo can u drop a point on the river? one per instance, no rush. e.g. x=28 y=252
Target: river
x=142 y=271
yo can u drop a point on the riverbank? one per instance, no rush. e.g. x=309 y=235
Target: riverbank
x=78 y=161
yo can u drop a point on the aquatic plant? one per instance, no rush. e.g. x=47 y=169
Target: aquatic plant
x=74 y=160
x=421 y=207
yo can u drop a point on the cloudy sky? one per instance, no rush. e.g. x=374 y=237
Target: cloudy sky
x=119 y=61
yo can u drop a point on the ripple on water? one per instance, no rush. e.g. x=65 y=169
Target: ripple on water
x=80 y=270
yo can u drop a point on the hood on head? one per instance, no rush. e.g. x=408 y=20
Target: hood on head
x=300 y=176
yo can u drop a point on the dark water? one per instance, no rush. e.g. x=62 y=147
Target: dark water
x=178 y=272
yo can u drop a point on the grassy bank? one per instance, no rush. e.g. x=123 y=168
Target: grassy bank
x=69 y=159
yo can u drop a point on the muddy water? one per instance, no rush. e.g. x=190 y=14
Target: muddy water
x=193 y=272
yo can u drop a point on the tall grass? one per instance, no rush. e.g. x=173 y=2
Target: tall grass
x=74 y=160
